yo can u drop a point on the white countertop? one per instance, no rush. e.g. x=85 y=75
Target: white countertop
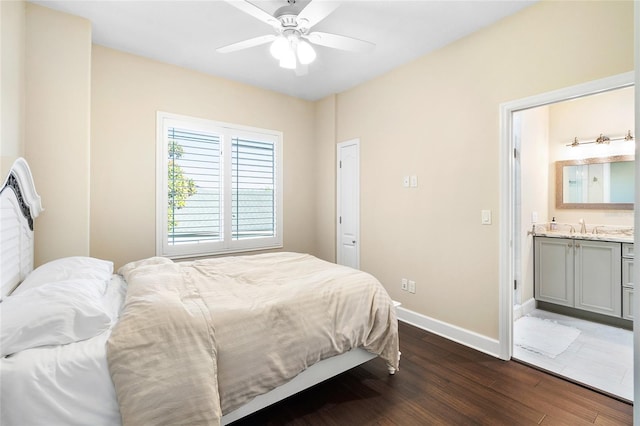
x=598 y=233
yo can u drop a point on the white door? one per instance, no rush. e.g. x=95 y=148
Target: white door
x=348 y=203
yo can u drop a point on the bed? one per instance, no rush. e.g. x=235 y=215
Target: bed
x=160 y=342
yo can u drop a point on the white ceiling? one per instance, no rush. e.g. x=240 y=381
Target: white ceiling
x=187 y=33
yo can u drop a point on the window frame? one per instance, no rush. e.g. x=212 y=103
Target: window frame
x=227 y=132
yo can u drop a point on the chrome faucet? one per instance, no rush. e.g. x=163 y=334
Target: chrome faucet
x=583 y=226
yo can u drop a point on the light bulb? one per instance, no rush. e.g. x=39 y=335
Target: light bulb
x=306 y=54
x=279 y=47
x=288 y=60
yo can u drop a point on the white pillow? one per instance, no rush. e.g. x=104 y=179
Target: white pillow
x=67 y=268
x=56 y=314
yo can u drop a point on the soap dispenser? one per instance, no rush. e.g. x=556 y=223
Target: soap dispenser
x=553 y=225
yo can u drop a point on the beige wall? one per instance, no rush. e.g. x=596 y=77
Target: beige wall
x=325 y=189
x=57 y=112
x=127 y=91
x=609 y=113
x=437 y=117
x=12 y=52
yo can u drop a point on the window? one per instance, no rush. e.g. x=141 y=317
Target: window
x=219 y=187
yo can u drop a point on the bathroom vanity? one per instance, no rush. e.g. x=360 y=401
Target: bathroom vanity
x=585 y=271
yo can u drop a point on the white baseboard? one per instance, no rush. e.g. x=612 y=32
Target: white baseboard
x=526 y=308
x=451 y=332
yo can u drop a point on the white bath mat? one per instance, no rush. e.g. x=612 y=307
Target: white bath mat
x=543 y=336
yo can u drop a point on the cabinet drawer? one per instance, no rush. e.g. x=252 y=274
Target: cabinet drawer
x=627 y=303
x=627 y=249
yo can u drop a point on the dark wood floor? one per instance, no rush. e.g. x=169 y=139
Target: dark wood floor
x=443 y=383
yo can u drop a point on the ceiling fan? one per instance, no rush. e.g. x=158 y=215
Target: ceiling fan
x=290 y=43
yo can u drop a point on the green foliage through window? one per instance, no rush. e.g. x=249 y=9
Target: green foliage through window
x=180 y=186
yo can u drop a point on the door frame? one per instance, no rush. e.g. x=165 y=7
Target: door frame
x=339 y=146
x=507 y=233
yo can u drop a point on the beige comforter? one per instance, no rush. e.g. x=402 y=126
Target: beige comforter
x=199 y=339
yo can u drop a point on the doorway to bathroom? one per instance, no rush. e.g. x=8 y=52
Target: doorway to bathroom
x=552 y=334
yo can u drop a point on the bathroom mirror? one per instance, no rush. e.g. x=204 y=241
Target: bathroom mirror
x=596 y=183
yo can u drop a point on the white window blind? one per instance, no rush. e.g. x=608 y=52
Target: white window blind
x=194 y=193
x=219 y=187
x=253 y=183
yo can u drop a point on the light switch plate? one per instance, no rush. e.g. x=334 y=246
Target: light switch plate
x=405 y=181
x=486 y=217
x=414 y=181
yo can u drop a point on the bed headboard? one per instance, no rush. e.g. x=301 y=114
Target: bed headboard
x=20 y=204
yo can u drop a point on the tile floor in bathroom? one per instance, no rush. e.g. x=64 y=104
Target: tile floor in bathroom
x=601 y=356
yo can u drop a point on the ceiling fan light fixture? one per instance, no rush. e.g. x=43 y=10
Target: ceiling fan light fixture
x=293 y=23
x=306 y=53
x=280 y=47
x=288 y=60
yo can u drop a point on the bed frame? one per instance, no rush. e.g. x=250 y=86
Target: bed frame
x=313 y=375
x=21 y=204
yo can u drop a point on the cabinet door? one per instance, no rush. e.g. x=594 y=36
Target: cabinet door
x=554 y=269
x=598 y=286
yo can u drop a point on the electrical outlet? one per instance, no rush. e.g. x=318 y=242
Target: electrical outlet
x=404 y=284
x=412 y=286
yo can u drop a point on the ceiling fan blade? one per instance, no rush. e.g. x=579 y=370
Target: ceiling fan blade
x=256 y=41
x=255 y=11
x=315 y=12
x=340 y=42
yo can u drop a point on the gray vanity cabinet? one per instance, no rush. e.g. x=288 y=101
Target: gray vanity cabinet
x=598 y=277
x=583 y=274
x=553 y=274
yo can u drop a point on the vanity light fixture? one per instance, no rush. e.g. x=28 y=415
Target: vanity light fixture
x=602 y=139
